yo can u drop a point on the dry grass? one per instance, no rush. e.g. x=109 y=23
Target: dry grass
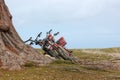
x=61 y=71
x=65 y=70
x=91 y=55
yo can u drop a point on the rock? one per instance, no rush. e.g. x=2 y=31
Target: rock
x=13 y=51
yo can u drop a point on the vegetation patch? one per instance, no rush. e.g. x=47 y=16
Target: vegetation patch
x=111 y=50
x=62 y=62
x=0 y=63
x=114 y=77
x=66 y=70
x=94 y=68
x=72 y=69
x=29 y=64
x=90 y=56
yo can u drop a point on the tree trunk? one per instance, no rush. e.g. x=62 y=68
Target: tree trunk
x=13 y=52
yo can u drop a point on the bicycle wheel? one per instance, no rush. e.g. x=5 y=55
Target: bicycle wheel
x=63 y=53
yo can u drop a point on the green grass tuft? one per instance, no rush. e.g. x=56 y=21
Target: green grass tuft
x=29 y=64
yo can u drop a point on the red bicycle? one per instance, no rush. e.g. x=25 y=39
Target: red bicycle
x=54 y=48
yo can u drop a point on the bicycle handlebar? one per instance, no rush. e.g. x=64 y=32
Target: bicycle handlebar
x=28 y=40
x=38 y=36
x=36 y=41
x=50 y=31
x=33 y=41
x=56 y=34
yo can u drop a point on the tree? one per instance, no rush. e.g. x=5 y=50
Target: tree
x=13 y=51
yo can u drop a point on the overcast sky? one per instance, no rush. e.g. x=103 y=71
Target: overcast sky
x=83 y=23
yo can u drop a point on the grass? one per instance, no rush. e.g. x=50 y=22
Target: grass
x=94 y=68
x=90 y=56
x=111 y=50
x=65 y=70
x=29 y=64
x=62 y=62
x=61 y=71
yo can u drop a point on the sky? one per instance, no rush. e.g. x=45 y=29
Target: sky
x=83 y=23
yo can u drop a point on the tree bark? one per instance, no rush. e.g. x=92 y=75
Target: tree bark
x=13 y=52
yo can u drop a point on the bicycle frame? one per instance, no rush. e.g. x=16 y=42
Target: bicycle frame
x=51 y=47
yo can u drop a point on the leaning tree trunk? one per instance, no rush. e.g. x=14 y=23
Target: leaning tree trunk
x=13 y=52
